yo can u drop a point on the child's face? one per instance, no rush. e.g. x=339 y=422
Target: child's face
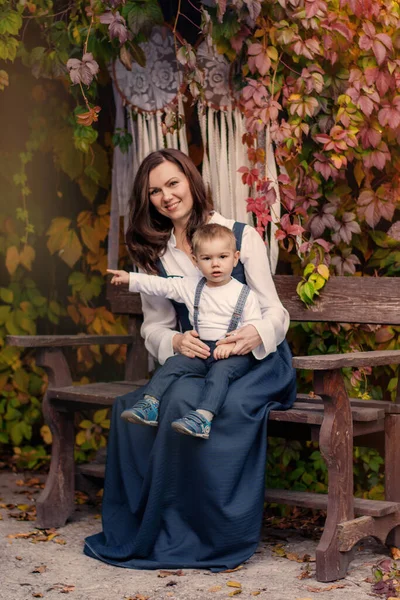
x=216 y=259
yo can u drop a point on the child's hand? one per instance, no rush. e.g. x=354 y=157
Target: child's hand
x=119 y=277
x=223 y=351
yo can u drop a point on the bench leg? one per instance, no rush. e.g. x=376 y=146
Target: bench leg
x=56 y=502
x=336 y=445
x=392 y=469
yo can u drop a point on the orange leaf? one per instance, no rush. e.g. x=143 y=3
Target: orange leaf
x=27 y=256
x=12 y=259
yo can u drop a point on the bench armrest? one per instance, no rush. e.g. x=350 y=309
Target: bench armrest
x=326 y=362
x=59 y=341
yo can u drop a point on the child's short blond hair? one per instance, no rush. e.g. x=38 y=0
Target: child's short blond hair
x=212 y=231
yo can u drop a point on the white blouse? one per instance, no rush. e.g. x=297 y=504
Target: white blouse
x=159 y=317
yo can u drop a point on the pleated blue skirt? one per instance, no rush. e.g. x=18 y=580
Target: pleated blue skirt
x=173 y=501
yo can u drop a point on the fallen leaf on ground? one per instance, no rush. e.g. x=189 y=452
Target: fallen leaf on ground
x=235 y=593
x=215 y=588
x=235 y=584
x=334 y=586
x=137 y=597
x=37 y=595
x=170 y=583
x=395 y=552
x=18 y=557
x=256 y=593
x=179 y=573
x=60 y=541
x=232 y=570
x=39 y=569
x=67 y=589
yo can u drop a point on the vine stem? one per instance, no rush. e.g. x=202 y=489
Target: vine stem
x=193 y=6
x=87 y=36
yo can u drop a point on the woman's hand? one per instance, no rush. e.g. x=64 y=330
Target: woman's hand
x=246 y=339
x=119 y=277
x=189 y=345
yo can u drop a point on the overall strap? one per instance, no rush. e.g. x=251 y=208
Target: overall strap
x=161 y=270
x=237 y=313
x=238 y=229
x=199 y=289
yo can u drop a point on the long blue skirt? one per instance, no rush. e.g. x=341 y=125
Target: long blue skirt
x=173 y=501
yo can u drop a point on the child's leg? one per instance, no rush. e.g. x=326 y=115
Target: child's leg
x=145 y=412
x=173 y=368
x=221 y=373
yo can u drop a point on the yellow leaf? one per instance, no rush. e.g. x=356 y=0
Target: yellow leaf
x=235 y=584
x=46 y=434
x=57 y=233
x=359 y=172
x=12 y=259
x=100 y=415
x=323 y=271
x=235 y=593
x=272 y=53
x=71 y=250
x=27 y=256
x=90 y=238
x=256 y=593
x=80 y=438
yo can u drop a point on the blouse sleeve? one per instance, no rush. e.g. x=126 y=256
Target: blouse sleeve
x=275 y=318
x=159 y=326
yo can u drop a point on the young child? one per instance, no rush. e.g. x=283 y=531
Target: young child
x=217 y=304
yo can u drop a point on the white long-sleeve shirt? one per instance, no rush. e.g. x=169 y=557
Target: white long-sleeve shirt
x=217 y=303
x=159 y=323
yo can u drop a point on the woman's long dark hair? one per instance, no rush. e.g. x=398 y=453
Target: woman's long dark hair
x=149 y=231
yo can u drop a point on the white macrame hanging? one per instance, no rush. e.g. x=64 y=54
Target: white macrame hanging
x=142 y=97
x=221 y=126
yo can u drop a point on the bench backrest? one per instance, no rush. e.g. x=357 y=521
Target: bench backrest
x=343 y=300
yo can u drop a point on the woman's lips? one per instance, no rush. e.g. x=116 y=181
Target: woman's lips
x=172 y=206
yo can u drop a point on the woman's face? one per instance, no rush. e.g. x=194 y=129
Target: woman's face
x=170 y=193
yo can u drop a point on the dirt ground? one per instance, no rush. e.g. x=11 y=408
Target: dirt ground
x=47 y=564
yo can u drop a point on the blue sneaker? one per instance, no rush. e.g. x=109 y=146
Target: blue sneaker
x=194 y=424
x=144 y=412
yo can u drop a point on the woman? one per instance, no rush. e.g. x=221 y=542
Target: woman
x=171 y=501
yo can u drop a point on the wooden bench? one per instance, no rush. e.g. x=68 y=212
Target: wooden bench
x=329 y=416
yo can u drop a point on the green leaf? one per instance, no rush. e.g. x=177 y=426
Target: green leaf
x=310 y=268
x=10 y=22
x=4 y=314
x=309 y=290
x=8 y=47
x=16 y=434
x=143 y=15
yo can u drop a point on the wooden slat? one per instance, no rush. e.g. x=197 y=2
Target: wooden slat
x=315 y=417
x=123 y=301
x=389 y=407
x=373 y=508
x=343 y=300
x=59 y=341
x=101 y=394
x=364 y=413
x=325 y=362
